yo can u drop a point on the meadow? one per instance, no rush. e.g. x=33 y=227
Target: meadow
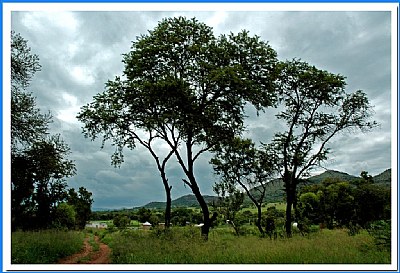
x=184 y=245
x=44 y=247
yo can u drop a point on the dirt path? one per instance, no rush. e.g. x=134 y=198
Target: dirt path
x=88 y=256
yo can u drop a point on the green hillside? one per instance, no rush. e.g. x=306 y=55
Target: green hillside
x=183 y=201
x=275 y=189
x=384 y=178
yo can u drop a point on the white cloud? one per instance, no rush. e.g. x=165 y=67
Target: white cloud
x=82 y=75
x=42 y=21
x=70 y=109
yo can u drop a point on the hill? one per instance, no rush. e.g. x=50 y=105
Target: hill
x=183 y=201
x=275 y=190
x=384 y=178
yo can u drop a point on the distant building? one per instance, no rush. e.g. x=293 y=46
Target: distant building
x=96 y=225
x=146 y=226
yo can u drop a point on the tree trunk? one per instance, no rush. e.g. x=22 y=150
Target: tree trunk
x=206 y=213
x=289 y=203
x=168 y=206
x=258 y=224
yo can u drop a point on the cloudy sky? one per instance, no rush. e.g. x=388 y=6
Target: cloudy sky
x=80 y=50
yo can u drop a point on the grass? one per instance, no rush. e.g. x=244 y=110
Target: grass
x=184 y=246
x=44 y=247
x=95 y=246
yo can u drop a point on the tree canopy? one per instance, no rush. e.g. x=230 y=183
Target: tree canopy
x=316 y=107
x=186 y=87
x=39 y=160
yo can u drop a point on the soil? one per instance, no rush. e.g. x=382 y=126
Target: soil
x=88 y=256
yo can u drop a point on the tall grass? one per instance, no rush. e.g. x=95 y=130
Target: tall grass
x=180 y=246
x=44 y=247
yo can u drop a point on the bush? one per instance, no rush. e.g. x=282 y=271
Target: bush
x=381 y=231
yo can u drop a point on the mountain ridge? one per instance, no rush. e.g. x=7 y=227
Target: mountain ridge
x=274 y=192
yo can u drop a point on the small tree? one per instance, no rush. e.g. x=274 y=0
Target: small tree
x=239 y=163
x=316 y=108
x=82 y=202
x=230 y=201
x=64 y=216
x=121 y=221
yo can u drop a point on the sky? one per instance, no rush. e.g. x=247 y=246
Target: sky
x=80 y=50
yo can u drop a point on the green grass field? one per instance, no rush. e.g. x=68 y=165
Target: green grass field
x=184 y=246
x=44 y=247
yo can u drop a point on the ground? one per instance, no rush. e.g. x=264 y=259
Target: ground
x=88 y=255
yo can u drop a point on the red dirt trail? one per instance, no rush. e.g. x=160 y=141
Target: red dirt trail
x=88 y=256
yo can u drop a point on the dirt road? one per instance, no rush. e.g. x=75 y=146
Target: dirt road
x=88 y=255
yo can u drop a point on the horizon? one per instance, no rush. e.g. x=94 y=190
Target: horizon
x=191 y=194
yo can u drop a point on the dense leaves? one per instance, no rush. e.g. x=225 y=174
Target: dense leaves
x=39 y=161
x=336 y=203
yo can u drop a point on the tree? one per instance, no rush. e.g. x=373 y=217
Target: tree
x=183 y=86
x=316 y=108
x=230 y=201
x=240 y=163
x=38 y=180
x=39 y=161
x=373 y=201
x=28 y=124
x=121 y=221
x=82 y=202
x=144 y=215
x=64 y=216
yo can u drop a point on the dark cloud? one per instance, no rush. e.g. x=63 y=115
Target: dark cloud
x=80 y=51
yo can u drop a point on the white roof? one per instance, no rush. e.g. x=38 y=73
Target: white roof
x=146 y=224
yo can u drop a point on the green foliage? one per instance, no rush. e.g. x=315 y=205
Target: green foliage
x=39 y=161
x=143 y=215
x=121 y=222
x=240 y=164
x=381 y=231
x=44 y=247
x=340 y=203
x=184 y=86
x=64 y=216
x=82 y=202
x=316 y=108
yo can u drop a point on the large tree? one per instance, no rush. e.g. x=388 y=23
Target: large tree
x=316 y=108
x=39 y=161
x=187 y=88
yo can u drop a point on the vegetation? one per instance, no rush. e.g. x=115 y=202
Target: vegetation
x=240 y=163
x=39 y=160
x=43 y=247
x=183 y=246
x=336 y=203
x=186 y=88
x=316 y=108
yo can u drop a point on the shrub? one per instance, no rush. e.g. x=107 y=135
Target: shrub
x=381 y=231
